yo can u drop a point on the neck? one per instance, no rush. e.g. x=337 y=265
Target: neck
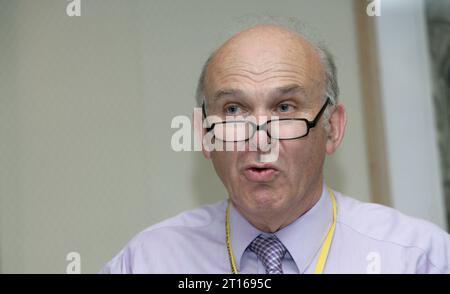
x=273 y=221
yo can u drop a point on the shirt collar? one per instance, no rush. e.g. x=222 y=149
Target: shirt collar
x=303 y=238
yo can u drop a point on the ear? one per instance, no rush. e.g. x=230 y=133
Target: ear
x=200 y=132
x=338 y=122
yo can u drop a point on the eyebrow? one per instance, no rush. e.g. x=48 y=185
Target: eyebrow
x=279 y=91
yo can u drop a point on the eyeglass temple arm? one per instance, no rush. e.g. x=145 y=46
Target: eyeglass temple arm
x=204 y=116
x=313 y=123
x=204 y=109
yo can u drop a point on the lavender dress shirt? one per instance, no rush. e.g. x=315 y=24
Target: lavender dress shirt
x=369 y=238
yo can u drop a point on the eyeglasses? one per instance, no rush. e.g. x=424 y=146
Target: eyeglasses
x=285 y=128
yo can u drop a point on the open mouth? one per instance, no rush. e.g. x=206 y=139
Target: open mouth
x=259 y=169
x=260 y=174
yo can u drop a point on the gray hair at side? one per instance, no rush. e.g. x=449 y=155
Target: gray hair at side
x=295 y=25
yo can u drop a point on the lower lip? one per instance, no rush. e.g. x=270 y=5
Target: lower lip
x=262 y=175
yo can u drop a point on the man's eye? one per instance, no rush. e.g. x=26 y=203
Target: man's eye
x=232 y=109
x=284 y=107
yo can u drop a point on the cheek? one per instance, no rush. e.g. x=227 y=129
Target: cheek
x=225 y=163
x=302 y=157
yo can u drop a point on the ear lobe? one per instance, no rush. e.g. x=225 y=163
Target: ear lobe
x=338 y=122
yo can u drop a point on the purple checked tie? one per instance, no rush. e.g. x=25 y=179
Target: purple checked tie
x=271 y=251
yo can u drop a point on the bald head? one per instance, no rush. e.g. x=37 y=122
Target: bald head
x=264 y=56
x=262 y=44
x=264 y=51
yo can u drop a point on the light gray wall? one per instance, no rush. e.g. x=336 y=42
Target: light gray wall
x=85 y=110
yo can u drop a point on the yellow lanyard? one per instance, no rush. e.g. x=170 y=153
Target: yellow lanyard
x=323 y=253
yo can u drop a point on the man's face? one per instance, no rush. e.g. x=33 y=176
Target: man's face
x=268 y=72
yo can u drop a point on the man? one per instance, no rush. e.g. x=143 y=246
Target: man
x=280 y=217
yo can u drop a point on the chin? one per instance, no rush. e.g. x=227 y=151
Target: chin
x=265 y=200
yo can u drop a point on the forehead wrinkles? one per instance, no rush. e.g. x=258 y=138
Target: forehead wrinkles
x=259 y=74
x=236 y=75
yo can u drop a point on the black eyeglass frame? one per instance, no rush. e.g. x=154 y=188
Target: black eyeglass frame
x=263 y=127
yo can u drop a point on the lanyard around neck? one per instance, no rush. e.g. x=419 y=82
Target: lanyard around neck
x=323 y=253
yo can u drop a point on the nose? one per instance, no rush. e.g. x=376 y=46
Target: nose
x=260 y=140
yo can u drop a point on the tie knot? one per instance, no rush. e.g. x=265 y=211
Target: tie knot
x=271 y=251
